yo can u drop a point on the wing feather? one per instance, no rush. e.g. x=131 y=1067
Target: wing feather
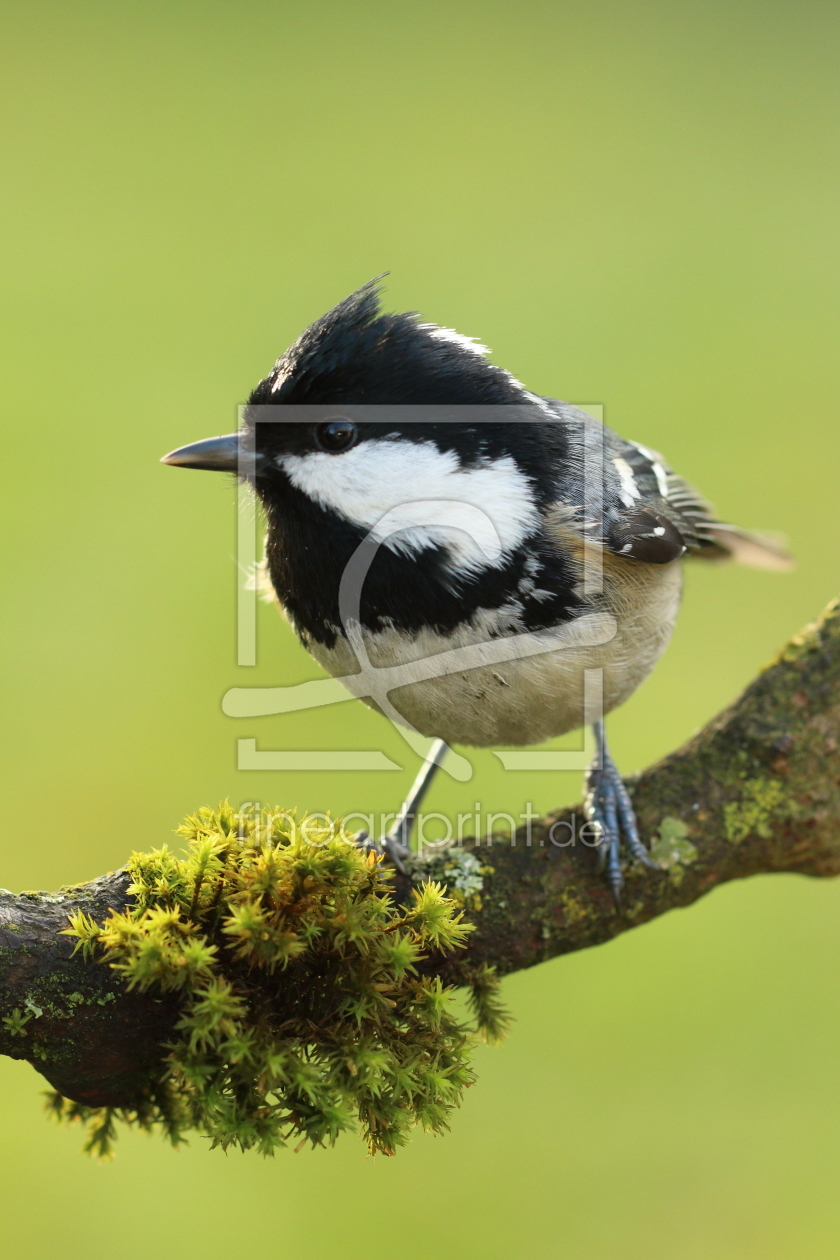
x=663 y=492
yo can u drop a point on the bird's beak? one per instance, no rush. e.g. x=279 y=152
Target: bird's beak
x=218 y=454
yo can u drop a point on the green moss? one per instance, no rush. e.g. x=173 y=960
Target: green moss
x=828 y=623
x=16 y=1022
x=492 y=1017
x=574 y=909
x=672 y=848
x=760 y=799
x=303 y=1013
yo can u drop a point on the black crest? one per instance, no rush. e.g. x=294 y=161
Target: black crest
x=358 y=354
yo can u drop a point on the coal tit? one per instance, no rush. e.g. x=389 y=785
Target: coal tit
x=516 y=526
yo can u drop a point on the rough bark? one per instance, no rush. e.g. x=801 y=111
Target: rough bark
x=758 y=790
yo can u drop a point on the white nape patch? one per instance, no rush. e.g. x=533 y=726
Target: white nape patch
x=629 y=491
x=474 y=346
x=534 y=398
x=479 y=514
x=455 y=338
x=658 y=468
x=279 y=379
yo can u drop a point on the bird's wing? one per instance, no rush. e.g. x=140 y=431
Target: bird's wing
x=661 y=517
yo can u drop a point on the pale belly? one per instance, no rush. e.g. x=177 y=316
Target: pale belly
x=529 y=698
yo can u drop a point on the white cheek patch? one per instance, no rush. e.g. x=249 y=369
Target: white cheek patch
x=466 y=531
x=479 y=514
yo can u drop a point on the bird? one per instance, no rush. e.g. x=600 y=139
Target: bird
x=513 y=536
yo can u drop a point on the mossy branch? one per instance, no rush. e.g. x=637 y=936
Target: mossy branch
x=175 y=961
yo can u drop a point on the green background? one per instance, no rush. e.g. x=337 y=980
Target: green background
x=632 y=203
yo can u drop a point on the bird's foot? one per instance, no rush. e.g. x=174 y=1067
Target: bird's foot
x=608 y=805
x=393 y=850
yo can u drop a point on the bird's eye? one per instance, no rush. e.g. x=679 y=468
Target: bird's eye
x=336 y=435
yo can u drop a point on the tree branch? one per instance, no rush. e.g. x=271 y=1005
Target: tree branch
x=757 y=790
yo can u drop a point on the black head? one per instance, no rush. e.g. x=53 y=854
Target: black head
x=371 y=417
x=358 y=374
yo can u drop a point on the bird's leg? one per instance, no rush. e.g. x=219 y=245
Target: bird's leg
x=608 y=804
x=397 y=842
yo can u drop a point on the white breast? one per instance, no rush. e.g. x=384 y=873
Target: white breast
x=527 y=700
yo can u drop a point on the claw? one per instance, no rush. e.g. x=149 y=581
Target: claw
x=397 y=853
x=616 y=887
x=393 y=850
x=609 y=806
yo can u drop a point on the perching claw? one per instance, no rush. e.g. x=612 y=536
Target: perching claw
x=608 y=805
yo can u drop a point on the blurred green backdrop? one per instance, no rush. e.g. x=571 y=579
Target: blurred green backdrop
x=632 y=203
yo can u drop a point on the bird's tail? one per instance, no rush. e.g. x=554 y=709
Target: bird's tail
x=759 y=549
